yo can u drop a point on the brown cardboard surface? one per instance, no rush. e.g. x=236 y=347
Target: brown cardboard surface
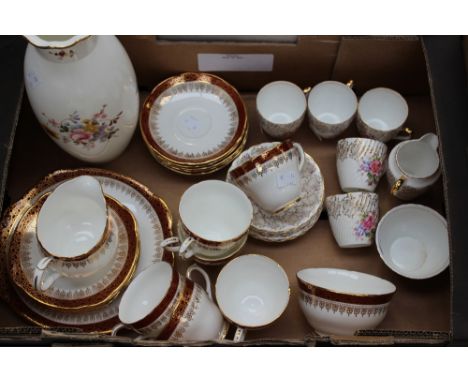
x=417 y=305
x=155 y=60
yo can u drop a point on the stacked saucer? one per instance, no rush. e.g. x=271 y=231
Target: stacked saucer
x=137 y=223
x=194 y=123
x=296 y=220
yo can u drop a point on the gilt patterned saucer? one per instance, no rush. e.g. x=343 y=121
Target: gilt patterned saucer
x=121 y=248
x=194 y=119
x=154 y=223
x=297 y=220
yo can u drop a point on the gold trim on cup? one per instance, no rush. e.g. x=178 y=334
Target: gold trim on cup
x=261 y=159
x=95 y=300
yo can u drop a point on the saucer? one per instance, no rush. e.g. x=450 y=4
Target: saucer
x=193 y=120
x=219 y=257
x=296 y=220
x=154 y=222
x=121 y=248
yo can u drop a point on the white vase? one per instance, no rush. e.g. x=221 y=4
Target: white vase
x=83 y=90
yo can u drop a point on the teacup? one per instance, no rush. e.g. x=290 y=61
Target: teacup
x=215 y=217
x=381 y=114
x=72 y=225
x=281 y=107
x=331 y=107
x=413 y=241
x=272 y=179
x=49 y=269
x=340 y=302
x=360 y=163
x=161 y=304
x=252 y=292
x=353 y=218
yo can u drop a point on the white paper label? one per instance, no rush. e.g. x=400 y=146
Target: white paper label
x=287 y=178
x=212 y=62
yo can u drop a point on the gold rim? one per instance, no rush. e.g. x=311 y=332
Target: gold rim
x=75 y=42
x=274 y=319
x=185 y=78
x=100 y=297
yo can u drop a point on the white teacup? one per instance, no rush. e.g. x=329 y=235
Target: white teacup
x=353 y=218
x=72 y=227
x=272 y=179
x=215 y=217
x=161 y=304
x=73 y=220
x=360 y=163
x=331 y=106
x=281 y=107
x=252 y=291
x=381 y=114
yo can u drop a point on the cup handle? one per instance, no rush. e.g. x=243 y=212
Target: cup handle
x=117 y=327
x=239 y=335
x=300 y=150
x=350 y=84
x=195 y=267
x=40 y=281
x=171 y=243
x=184 y=251
x=405 y=134
x=397 y=185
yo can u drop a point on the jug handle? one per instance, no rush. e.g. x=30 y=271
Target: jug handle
x=431 y=139
x=397 y=185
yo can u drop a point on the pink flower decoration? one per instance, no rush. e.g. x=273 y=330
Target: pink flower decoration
x=375 y=167
x=79 y=135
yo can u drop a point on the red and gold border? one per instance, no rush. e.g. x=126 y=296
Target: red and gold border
x=19 y=277
x=178 y=311
x=162 y=306
x=261 y=159
x=363 y=299
x=192 y=77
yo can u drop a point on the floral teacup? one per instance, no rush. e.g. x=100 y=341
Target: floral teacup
x=360 y=163
x=353 y=218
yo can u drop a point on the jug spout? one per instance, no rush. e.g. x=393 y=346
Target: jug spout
x=431 y=139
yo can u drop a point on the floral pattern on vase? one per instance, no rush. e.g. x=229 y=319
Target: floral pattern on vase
x=84 y=132
x=366 y=226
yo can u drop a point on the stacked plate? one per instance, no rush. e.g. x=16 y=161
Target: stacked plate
x=194 y=124
x=297 y=220
x=139 y=221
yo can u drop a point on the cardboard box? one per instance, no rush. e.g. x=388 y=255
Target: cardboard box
x=422 y=312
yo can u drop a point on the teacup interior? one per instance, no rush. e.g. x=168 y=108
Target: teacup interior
x=332 y=102
x=252 y=290
x=73 y=219
x=281 y=102
x=344 y=281
x=383 y=109
x=145 y=292
x=417 y=159
x=413 y=241
x=216 y=210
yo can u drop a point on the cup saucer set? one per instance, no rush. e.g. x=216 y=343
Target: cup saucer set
x=95 y=250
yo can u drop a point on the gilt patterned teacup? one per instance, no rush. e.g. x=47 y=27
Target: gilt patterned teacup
x=353 y=218
x=161 y=304
x=281 y=107
x=272 y=179
x=360 y=163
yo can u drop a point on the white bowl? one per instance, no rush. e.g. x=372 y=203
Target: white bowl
x=73 y=219
x=340 y=302
x=252 y=291
x=412 y=240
